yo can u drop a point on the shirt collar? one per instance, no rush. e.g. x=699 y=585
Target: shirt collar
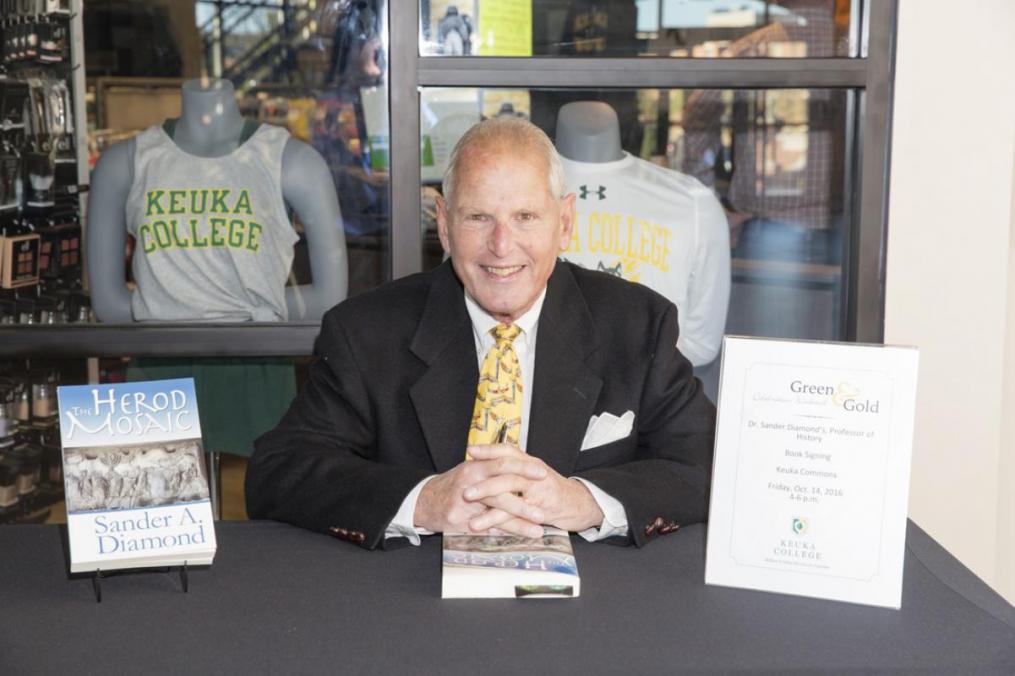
x=483 y=323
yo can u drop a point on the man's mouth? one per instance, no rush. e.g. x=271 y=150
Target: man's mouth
x=502 y=271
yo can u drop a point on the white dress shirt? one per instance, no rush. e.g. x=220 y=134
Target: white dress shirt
x=614 y=516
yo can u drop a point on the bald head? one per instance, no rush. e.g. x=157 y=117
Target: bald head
x=504 y=135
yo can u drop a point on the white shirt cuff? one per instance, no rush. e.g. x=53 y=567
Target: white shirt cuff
x=401 y=526
x=614 y=516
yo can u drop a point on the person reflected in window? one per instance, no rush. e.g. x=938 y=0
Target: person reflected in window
x=357 y=57
x=778 y=175
x=454 y=31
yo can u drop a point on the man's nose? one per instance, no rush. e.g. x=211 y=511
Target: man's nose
x=501 y=241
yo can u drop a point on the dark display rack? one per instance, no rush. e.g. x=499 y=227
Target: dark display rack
x=40 y=243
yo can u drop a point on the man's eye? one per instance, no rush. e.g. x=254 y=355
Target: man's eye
x=476 y=217
x=526 y=216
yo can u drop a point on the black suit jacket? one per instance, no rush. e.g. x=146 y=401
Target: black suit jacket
x=389 y=401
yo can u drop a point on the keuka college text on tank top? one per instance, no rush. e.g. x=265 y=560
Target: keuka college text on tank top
x=213 y=239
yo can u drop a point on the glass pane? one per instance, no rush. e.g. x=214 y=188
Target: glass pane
x=267 y=199
x=729 y=202
x=676 y=28
x=32 y=482
x=31 y=467
x=40 y=220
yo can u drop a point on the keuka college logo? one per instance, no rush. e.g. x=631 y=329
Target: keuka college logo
x=600 y=191
x=799 y=549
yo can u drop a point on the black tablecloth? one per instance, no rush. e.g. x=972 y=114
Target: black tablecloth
x=282 y=600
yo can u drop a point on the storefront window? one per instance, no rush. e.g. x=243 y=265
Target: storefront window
x=303 y=194
x=673 y=28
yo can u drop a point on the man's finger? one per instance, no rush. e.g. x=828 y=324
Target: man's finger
x=524 y=465
x=496 y=485
x=516 y=506
x=504 y=522
x=521 y=465
x=491 y=451
x=489 y=519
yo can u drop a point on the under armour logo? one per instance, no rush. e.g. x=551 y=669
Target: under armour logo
x=583 y=192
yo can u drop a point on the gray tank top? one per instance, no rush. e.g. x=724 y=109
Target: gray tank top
x=213 y=239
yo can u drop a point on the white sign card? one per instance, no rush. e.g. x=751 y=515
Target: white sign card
x=810 y=482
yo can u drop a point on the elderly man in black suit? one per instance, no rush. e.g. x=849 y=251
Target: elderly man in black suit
x=614 y=439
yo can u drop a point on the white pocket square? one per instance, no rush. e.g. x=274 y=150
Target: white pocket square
x=606 y=428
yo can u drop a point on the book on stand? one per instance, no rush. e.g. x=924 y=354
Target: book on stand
x=134 y=476
x=509 y=566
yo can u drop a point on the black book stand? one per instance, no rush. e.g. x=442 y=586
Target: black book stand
x=99 y=574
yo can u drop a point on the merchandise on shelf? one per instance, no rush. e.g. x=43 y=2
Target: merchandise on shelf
x=40 y=243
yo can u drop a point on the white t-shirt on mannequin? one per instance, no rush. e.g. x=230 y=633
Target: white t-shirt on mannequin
x=662 y=229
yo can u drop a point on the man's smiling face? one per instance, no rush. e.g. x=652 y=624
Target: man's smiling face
x=503 y=228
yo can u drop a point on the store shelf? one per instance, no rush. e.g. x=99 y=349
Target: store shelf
x=473 y=71
x=792 y=273
x=119 y=340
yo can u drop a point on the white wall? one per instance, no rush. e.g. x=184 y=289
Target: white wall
x=950 y=270
x=1006 y=475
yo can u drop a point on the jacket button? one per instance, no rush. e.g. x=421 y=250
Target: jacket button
x=669 y=528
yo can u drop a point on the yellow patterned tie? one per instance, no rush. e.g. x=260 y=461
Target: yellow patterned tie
x=499 y=393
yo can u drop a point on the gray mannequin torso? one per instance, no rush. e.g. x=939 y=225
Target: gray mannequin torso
x=588 y=131
x=210 y=125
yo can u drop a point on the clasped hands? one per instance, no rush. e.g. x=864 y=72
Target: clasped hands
x=504 y=490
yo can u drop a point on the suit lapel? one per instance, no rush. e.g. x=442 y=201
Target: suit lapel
x=565 y=391
x=444 y=396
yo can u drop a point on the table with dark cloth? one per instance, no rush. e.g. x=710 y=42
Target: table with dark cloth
x=283 y=600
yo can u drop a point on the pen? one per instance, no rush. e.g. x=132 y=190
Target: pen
x=501 y=438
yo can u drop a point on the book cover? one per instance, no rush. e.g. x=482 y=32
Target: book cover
x=134 y=476
x=509 y=566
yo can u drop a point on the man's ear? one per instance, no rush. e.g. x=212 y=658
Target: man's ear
x=568 y=217
x=442 y=223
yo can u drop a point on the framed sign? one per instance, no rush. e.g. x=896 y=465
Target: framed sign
x=811 y=478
